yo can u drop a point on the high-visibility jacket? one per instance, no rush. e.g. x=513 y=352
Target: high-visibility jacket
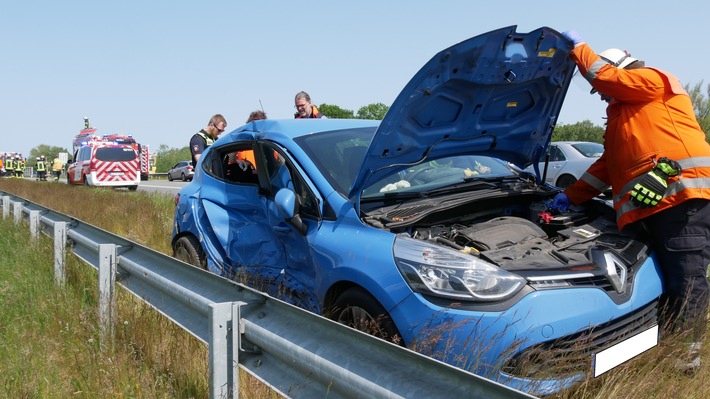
x=9 y=165
x=41 y=167
x=57 y=164
x=650 y=117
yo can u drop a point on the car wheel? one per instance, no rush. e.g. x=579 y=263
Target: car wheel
x=170 y=177
x=132 y=188
x=182 y=177
x=565 y=181
x=358 y=309
x=188 y=250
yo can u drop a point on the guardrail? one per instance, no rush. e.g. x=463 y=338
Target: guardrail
x=299 y=354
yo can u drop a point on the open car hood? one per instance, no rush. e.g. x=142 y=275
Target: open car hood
x=496 y=94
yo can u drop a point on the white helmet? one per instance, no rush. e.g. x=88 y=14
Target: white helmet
x=620 y=59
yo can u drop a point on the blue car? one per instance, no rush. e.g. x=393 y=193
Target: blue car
x=423 y=228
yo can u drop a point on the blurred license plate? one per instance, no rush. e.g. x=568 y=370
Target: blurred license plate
x=116 y=173
x=624 y=350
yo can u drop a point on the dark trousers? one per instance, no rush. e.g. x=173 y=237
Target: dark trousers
x=680 y=237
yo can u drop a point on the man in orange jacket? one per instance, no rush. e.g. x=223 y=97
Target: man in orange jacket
x=657 y=162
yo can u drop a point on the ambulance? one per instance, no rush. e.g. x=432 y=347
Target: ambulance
x=101 y=162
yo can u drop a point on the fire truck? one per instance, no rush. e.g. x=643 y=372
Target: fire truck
x=89 y=133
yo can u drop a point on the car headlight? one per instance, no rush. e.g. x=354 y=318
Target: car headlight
x=435 y=270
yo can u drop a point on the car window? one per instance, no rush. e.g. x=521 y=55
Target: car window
x=115 y=154
x=282 y=173
x=556 y=154
x=589 y=150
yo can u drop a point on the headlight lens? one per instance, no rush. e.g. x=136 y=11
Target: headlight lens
x=435 y=270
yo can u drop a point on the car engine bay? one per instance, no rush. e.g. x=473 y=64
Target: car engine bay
x=516 y=232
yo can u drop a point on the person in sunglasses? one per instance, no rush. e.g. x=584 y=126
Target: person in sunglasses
x=201 y=140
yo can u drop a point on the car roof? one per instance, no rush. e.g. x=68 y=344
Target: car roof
x=293 y=128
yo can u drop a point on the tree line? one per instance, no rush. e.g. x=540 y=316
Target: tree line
x=580 y=131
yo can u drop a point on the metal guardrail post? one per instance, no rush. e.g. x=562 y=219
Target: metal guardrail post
x=34 y=225
x=60 y=248
x=5 y=206
x=17 y=211
x=107 y=283
x=224 y=347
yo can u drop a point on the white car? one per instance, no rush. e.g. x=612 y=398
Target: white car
x=569 y=160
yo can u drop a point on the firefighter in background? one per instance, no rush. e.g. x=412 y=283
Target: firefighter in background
x=2 y=167
x=41 y=169
x=10 y=166
x=57 y=166
x=19 y=167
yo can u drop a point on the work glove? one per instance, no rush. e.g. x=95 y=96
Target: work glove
x=560 y=203
x=573 y=36
x=649 y=191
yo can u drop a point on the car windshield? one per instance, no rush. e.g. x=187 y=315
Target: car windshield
x=589 y=150
x=346 y=153
x=432 y=175
x=115 y=154
x=338 y=154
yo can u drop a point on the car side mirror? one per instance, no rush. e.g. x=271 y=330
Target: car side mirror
x=287 y=204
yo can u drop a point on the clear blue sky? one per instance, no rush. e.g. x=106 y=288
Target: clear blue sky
x=160 y=69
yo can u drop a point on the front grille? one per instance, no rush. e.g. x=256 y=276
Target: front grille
x=573 y=354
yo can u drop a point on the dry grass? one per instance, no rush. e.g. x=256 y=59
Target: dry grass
x=53 y=352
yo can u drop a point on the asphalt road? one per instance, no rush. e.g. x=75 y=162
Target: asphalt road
x=163 y=186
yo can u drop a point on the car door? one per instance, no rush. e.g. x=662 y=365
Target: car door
x=557 y=162
x=255 y=242
x=80 y=166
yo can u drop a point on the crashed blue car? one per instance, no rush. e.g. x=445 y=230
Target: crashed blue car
x=423 y=228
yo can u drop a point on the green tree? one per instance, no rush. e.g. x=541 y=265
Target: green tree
x=48 y=151
x=333 y=111
x=375 y=111
x=701 y=105
x=580 y=131
x=167 y=157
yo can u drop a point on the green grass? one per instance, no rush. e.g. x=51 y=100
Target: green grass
x=49 y=336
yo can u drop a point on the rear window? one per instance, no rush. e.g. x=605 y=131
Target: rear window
x=115 y=154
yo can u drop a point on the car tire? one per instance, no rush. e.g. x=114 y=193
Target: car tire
x=170 y=177
x=188 y=250
x=182 y=177
x=565 y=181
x=358 y=309
x=132 y=188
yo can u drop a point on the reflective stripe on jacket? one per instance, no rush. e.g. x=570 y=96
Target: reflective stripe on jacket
x=650 y=117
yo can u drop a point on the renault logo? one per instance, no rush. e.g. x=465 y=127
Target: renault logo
x=614 y=269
